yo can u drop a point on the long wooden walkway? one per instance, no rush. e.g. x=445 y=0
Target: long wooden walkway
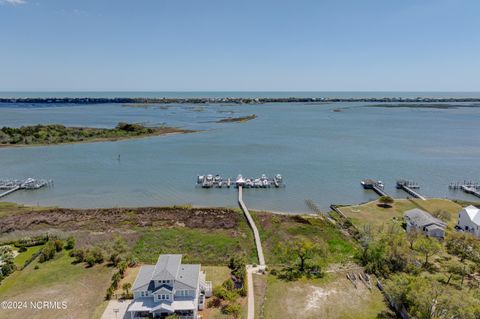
x=251 y=223
x=9 y=191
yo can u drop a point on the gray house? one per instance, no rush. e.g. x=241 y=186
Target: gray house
x=424 y=222
x=169 y=287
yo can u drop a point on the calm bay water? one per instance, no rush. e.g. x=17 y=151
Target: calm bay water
x=322 y=154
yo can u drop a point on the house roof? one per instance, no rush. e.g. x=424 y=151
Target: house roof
x=144 y=276
x=188 y=275
x=421 y=218
x=434 y=226
x=473 y=213
x=167 y=265
x=141 y=304
x=185 y=276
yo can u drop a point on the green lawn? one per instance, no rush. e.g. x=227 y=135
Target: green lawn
x=277 y=230
x=208 y=247
x=22 y=257
x=371 y=213
x=216 y=274
x=81 y=288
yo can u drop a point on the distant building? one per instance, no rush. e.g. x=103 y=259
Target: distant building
x=424 y=222
x=169 y=287
x=469 y=220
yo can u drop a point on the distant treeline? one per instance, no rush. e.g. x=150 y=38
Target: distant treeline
x=58 y=134
x=233 y=100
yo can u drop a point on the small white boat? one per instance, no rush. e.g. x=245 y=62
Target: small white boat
x=240 y=181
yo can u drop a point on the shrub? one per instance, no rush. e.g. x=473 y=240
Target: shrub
x=48 y=252
x=36 y=267
x=22 y=249
x=97 y=254
x=70 y=244
x=228 y=284
x=214 y=302
x=122 y=267
x=90 y=260
x=109 y=294
x=232 y=309
x=58 y=245
x=79 y=255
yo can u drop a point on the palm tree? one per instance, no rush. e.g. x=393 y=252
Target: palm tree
x=126 y=288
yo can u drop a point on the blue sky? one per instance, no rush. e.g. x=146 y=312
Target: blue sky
x=242 y=45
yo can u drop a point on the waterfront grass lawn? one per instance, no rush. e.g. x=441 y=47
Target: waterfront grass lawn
x=216 y=274
x=373 y=214
x=332 y=297
x=204 y=246
x=278 y=230
x=22 y=257
x=83 y=289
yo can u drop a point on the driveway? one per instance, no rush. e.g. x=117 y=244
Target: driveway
x=117 y=309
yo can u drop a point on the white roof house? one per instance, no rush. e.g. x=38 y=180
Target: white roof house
x=169 y=287
x=424 y=222
x=469 y=220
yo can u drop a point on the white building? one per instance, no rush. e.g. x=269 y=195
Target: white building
x=169 y=287
x=469 y=220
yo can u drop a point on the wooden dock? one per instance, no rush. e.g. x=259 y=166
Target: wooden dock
x=471 y=190
x=374 y=185
x=16 y=188
x=251 y=223
x=469 y=187
x=409 y=188
x=9 y=186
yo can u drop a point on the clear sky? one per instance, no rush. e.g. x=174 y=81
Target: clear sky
x=240 y=45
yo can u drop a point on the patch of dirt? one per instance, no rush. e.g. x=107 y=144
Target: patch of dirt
x=120 y=218
x=325 y=301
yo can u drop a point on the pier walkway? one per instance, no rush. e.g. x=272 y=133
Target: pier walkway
x=16 y=188
x=261 y=258
x=471 y=190
x=413 y=193
x=408 y=187
x=251 y=223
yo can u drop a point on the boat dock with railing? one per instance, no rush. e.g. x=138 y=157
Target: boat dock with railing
x=468 y=187
x=217 y=181
x=376 y=186
x=11 y=185
x=410 y=188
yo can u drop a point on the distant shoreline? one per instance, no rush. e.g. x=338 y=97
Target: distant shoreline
x=231 y=100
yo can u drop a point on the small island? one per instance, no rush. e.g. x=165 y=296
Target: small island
x=53 y=134
x=424 y=105
x=237 y=119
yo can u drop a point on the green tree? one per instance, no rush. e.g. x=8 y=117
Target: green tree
x=304 y=250
x=397 y=287
x=90 y=260
x=463 y=245
x=428 y=247
x=386 y=201
x=70 y=244
x=413 y=235
x=232 y=309
x=126 y=288
x=58 y=245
